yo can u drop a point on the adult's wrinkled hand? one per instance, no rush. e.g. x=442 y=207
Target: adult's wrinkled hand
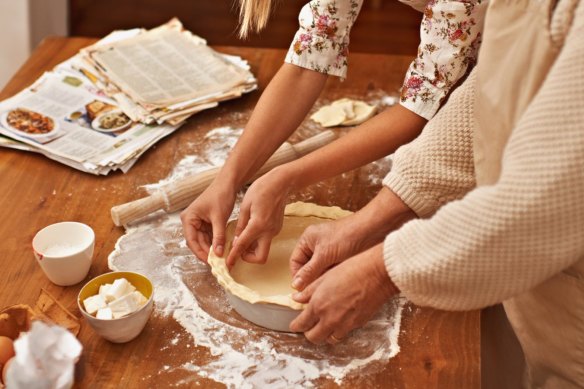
x=345 y=298
x=260 y=218
x=205 y=219
x=321 y=247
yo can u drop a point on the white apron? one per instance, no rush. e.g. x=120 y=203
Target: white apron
x=516 y=54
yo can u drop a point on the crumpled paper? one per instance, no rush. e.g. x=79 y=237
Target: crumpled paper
x=45 y=358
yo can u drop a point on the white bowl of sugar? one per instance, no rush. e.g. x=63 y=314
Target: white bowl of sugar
x=64 y=251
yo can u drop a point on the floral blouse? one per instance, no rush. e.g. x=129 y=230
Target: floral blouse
x=450 y=35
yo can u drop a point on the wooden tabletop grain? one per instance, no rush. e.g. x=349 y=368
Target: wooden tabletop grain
x=438 y=349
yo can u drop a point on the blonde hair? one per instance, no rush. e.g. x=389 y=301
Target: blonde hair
x=253 y=16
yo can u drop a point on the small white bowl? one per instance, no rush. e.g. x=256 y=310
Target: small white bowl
x=64 y=251
x=125 y=328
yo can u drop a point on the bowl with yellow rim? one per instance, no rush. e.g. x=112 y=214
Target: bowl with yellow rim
x=125 y=328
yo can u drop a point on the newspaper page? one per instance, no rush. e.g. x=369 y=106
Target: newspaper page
x=79 y=116
x=166 y=66
x=173 y=114
x=67 y=117
x=12 y=144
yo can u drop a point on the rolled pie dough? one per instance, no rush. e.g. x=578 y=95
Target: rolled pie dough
x=270 y=283
x=343 y=112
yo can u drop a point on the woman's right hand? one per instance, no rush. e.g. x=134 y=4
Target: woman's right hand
x=260 y=217
x=204 y=221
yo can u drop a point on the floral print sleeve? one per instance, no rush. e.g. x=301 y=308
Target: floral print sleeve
x=322 y=42
x=450 y=36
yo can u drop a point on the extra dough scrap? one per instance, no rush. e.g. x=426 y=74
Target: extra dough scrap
x=343 y=112
x=270 y=283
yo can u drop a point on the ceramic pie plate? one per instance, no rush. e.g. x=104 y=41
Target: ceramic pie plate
x=270 y=316
x=262 y=293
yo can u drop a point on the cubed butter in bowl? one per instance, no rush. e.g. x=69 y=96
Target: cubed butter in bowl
x=117 y=305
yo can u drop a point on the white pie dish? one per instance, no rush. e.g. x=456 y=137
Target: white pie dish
x=262 y=293
x=270 y=316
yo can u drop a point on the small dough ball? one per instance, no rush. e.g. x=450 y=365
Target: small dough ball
x=5 y=370
x=329 y=116
x=363 y=111
x=6 y=349
x=347 y=105
x=344 y=112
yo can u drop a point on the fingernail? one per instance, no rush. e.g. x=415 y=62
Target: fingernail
x=297 y=283
x=219 y=250
x=297 y=296
x=235 y=239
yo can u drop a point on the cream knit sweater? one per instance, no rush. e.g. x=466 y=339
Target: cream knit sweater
x=477 y=246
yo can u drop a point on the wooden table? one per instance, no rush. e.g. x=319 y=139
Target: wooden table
x=438 y=349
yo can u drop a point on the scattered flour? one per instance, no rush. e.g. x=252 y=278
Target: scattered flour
x=245 y=356
x=389 y=100
x=242 y=355
x=215 y=148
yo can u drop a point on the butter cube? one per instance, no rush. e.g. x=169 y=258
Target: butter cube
x=119 y=288
x=141 y=300
x=124 y=306
x=103 y=292
x=94 y=303
x=105 y=314
x=129 y=287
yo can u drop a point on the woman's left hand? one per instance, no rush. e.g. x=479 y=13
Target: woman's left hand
x=344 y=298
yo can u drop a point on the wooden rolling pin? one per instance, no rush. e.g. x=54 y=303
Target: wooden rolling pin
x=179 y=194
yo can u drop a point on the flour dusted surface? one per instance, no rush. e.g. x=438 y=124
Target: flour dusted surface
x=214 y=343
x=243 y=355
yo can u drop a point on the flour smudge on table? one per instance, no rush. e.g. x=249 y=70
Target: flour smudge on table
x=243 y=355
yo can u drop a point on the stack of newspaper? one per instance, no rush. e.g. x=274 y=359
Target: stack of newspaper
x=103 y=108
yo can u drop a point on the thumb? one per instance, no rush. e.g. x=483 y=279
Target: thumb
x=261 y=252
x=312 y=270
x=301 y=254
x=218 y=225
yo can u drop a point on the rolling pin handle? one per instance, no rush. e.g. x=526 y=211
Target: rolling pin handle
x=126 y=213
x=180 y=194
x=315 y=142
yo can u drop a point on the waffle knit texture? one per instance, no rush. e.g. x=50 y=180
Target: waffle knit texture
x=476 y=246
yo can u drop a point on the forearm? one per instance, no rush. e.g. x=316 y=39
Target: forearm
x=280 y=110
x=384 y=214
x=374 y=139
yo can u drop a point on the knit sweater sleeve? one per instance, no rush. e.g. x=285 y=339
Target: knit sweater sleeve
x=438 y=166
x=504 y=239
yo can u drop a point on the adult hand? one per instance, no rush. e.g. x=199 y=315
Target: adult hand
x=345 y=298
x=205 y=219
x=260 y=218
x=325 y=245
x=321 y=247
